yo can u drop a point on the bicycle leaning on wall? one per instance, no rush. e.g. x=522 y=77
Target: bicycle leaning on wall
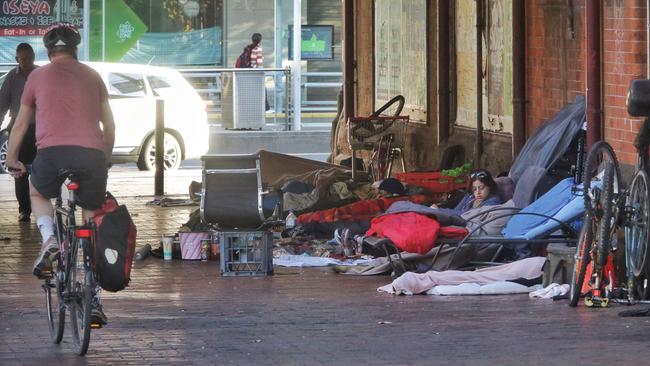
x=609 y=206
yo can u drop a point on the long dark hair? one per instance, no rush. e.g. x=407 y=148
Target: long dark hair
x=484 y=177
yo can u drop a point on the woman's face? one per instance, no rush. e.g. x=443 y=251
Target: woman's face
x=480 y=190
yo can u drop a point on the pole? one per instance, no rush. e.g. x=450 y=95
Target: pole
x=479 y=83
x=103 y=30
x=86 y=26
x=159 y=135
x=519 y=76
x=297 y=79
x=592 y=32
x=277 y=45
x=647 y=18
x=348 y=59
x=443 y=70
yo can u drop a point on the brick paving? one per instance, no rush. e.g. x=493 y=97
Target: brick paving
x=184 y=313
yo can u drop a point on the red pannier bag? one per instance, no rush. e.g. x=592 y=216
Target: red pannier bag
x=114 y=245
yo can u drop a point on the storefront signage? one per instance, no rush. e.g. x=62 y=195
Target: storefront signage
x=117 y=26
x=31 y=17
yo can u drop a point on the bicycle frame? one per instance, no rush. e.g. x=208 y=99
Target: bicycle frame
x=76 y=292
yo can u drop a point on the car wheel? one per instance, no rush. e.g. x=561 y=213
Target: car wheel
x=171 y=155
x=4 y=148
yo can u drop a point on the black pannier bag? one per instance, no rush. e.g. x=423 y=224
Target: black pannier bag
x=114 y=245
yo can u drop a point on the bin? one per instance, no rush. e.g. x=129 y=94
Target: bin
x=243 y=100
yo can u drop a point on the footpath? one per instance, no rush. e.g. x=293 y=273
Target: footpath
x=184 y=313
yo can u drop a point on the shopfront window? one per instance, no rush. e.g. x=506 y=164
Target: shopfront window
x=173 y=32
x=401 y=54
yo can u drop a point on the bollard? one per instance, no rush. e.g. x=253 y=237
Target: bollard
x=159 y=135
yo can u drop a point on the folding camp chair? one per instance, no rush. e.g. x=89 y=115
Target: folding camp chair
x=544 y=221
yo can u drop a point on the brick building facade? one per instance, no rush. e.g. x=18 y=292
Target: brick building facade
x=555 y=71
x=555 y=63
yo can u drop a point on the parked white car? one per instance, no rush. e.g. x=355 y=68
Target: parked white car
x=133 y=90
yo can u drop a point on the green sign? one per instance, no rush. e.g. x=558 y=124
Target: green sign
x=313 y=45
x=123 y=28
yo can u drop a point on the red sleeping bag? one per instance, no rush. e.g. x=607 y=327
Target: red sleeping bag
x=409 y=231
x=360 y=210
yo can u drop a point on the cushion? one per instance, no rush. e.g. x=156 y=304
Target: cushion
x=505 y=188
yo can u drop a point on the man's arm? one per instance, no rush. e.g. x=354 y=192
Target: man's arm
x=25 y=116
x=108 y=128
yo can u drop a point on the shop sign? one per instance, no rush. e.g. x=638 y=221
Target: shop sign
x=123 y=29
x=32 y=17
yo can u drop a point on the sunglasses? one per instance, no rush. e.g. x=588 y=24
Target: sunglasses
x=479 y=175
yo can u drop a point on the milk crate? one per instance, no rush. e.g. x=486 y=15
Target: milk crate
x=246 y=253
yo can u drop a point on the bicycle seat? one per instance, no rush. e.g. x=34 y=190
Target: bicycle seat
x=72 y=174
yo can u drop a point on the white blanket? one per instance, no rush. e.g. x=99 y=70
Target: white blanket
x=287 y=260
x=417 y=283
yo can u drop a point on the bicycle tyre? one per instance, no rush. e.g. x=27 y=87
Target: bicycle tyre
x=54 y=292
x=80 y=311
x=581 y=261
x=604 y=230
x=599 y=153
x=636 y=236
x=55 y=309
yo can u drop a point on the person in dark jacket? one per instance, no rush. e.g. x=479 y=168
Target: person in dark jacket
x=10 y=94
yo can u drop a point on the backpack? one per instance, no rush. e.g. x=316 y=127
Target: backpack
x=114 y=245
x=244 y=60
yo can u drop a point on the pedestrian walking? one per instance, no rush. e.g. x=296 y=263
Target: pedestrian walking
x=10 y=94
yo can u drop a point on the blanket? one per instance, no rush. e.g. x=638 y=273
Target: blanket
x=417 y=283
x=357 y=211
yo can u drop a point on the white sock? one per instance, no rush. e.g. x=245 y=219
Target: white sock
x=45 y=226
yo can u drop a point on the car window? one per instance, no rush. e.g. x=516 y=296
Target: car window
x=131 y=85
x=159 y=85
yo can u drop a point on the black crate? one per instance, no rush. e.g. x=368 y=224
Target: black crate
x=246 y=253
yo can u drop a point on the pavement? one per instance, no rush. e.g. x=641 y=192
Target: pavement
x=184 y=313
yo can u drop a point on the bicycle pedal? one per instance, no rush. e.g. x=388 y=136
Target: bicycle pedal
x=96 y=325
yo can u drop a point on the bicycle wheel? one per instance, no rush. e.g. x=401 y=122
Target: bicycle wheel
x=55 y=307
x=82 y=285
x=582 y=259
x=593 y=172
x=606 y=226
x=637 y=235
x=54 y=291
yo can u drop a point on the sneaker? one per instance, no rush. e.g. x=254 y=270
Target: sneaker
x=24 y=217
x=43 y=263
x=97 y=315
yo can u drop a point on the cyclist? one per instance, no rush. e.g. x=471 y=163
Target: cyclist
x=74 y=130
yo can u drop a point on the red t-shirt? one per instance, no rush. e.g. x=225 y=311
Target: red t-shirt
x=67 y=96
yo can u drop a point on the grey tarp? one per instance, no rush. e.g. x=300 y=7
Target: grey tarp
x=551 y=139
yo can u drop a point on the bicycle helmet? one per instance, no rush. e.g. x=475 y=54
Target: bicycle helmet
x=61 y=34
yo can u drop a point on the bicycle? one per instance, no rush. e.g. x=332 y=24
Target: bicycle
x=383 y=134
x=608 y=206
x=72 y=284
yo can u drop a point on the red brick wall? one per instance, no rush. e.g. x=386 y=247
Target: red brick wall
x=554 y=54
x=624 y=59
x=555 y=65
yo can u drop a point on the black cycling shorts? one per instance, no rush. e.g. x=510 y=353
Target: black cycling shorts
x=91 y=163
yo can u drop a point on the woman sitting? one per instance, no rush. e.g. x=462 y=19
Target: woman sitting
x=483 y=190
